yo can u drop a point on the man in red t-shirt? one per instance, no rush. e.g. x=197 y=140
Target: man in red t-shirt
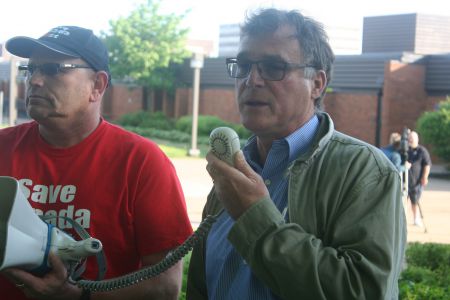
x=71 y=163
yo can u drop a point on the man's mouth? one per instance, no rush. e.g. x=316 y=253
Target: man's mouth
x=36 y=99
x=255 y=103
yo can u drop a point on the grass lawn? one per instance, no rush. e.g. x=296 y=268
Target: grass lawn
x=179 y=150
x=185 y=271
x=173 y=152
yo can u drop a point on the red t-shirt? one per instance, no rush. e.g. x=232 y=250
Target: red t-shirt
x=119 y=186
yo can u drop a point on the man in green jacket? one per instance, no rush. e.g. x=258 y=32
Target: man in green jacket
x=306 y=212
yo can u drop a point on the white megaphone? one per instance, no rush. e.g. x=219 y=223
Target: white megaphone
x=26 y=240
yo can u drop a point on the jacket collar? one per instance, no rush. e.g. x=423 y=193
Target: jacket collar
x=323 y=136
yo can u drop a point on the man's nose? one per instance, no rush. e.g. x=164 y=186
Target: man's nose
x=254 y=77
x=37 y=78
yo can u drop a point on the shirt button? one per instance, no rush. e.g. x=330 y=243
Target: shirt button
x=267 y=182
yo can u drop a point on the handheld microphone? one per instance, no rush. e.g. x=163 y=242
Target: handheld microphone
x=224 y=143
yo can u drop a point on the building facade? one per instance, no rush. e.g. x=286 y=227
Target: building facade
x=416 y=33
x=370 y=95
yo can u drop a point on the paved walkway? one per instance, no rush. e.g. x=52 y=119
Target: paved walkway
x=435 y=201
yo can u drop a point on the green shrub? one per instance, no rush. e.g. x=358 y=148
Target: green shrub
x=159 y=121
x=434 y=128
x=430 y=255
x=207 y=123
x=421 y=291
x=420 y=274
x=168 y=135
x=143 y=119
x=242 y=132
x=132 y=119
x=427 y=275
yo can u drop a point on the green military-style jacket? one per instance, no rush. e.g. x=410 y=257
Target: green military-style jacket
x=346 y=234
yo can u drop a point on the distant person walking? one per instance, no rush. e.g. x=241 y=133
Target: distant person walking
x=420 y=161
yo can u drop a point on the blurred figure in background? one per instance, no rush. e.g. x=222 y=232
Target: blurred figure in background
x=392 y=150
x=420 y=161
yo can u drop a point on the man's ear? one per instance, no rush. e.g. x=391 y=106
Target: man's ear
x=319 y=83
x=100 y=85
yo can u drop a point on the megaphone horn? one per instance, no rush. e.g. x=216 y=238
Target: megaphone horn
x=26 y=240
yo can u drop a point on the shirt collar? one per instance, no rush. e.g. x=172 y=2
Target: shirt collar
x=300 y=140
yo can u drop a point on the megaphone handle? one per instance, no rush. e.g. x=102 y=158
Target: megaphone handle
x=101 y=260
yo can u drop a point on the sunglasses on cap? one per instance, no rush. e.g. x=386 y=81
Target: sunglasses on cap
x=50 y=69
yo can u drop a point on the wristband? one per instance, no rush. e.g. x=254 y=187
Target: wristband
x=85 y=295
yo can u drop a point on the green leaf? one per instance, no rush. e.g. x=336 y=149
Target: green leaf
x=434 y=129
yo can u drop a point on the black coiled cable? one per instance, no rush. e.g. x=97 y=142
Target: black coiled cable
x=171 y=259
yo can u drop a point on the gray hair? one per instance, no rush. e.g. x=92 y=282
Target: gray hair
x=311 y=36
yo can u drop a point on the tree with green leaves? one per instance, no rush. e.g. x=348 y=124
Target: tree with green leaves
x=434 y=129
x=144 y=44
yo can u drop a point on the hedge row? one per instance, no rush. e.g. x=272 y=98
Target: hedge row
x=427 y=275
x=157 y=122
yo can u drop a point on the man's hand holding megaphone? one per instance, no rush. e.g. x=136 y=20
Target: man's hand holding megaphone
x=38 y=257
x=54 y=282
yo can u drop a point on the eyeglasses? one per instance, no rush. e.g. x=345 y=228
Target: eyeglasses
x=268 y=69
x=50 y=69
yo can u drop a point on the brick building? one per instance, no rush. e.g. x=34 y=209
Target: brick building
x=371 y=95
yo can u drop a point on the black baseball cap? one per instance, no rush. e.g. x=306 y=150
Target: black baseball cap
x=72 y=41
